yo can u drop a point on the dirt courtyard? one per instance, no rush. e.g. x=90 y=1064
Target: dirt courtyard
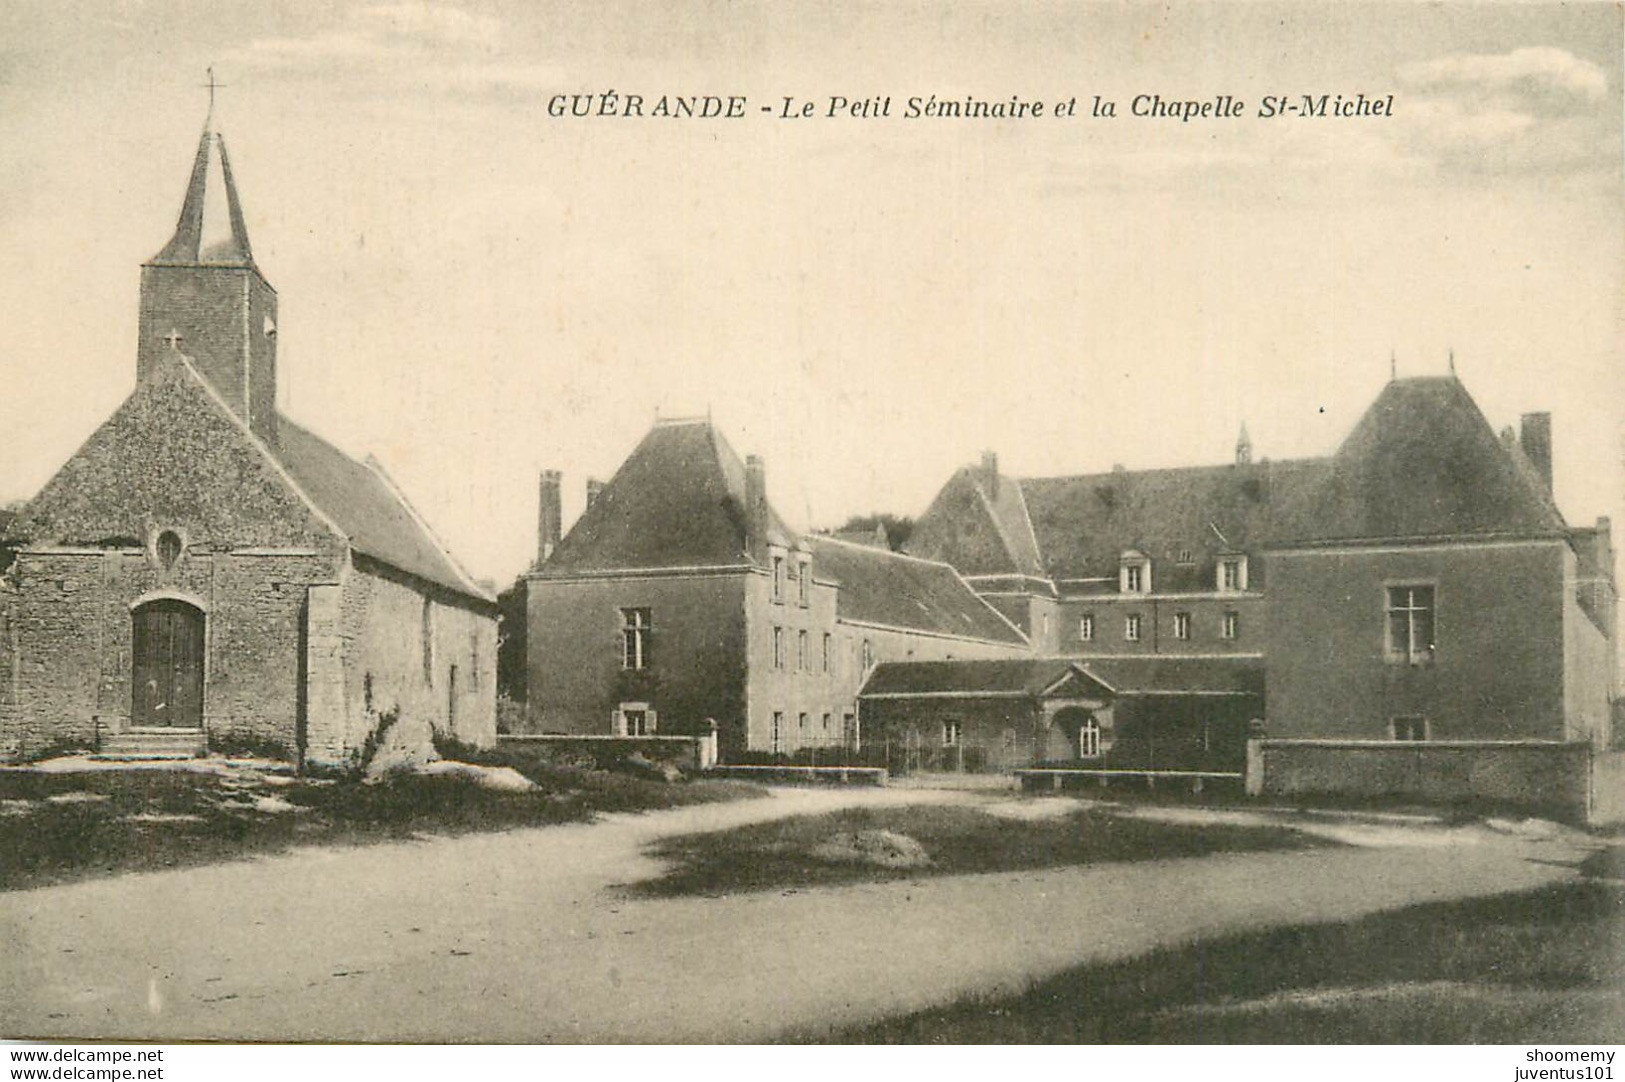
x=522 y=936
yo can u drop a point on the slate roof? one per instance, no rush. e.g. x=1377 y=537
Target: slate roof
x=889 y=588
x=329 y=489
x=1424 y=462
x=1176 y=675
x=210 y=186
x=677 y=501
x=367 y=508
x=1004 y=677
x=1084 y=524
x=979 y=532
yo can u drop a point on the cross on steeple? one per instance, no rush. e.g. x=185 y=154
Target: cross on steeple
x=174 y=338
x=212 y=86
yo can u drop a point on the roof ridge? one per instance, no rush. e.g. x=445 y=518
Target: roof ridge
x=371 y=462
x=1259 y=466
x=264 y=449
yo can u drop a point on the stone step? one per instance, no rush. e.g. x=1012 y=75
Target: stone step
x=162 y=744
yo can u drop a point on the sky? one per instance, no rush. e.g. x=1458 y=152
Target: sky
x=473 y=289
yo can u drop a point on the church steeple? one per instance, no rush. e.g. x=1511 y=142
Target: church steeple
x=1244 y=446
x=200 y=235
x=203 y=294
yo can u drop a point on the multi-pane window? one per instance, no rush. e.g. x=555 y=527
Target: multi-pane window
x=1182 y=625
x=1133 y=578
x=1089 y=739
x=1410 y=728
x=1233 y=574
x=778 y=648
x=950 y=734
x=1410 y=623
x=1131 y=627
x=638 y=722
x=1086 y=627
x=801 y=651
x=1230 y=625
x=635 y=627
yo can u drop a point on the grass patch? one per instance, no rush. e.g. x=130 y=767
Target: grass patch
x=1546 y=966
x=959 y=840
x=60 y=827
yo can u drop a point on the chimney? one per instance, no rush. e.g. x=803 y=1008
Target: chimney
x=594 y=487
x=990 y=474
x=755 y=507
x=1537 y=444
x=550 y=517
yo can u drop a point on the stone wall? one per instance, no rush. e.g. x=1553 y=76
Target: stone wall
x=421 y=655
x=1550 y=778
x=66 y=653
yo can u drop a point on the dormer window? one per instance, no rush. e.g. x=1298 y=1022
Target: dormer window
x=1134 y=574
x=1232 y=574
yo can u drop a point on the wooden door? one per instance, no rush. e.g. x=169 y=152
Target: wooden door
x=167 y=659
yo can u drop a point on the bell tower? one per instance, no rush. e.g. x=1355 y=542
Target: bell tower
x=204 y=296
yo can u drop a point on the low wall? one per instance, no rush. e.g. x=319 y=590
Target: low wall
x=685 y=752
x=812 y=775
x=1546 y=777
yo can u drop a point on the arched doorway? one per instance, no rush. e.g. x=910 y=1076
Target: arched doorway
x=167 y=666
x=1075 y=734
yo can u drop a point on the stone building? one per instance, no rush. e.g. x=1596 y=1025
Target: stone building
x=1417 y=585
x=680 y=597
x=205 y=572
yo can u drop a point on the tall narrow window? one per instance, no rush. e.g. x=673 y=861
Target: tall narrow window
x=1131 y=627
x=778 y=578
x=778 y=731
x=1410 y=623
x=635 y=632
x=1182 y=625
x=804 y=583
x=868 y=655
x=1230 y=626
x=950 y=733
x=1086 y=627
x=426 y=634
x=801 y=651
x=778 y=648
x=826 y=651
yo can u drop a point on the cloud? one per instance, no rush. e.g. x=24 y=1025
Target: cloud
x=1531 y=111
x=1541 y=80
x=434 y=24
x=437 y=47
